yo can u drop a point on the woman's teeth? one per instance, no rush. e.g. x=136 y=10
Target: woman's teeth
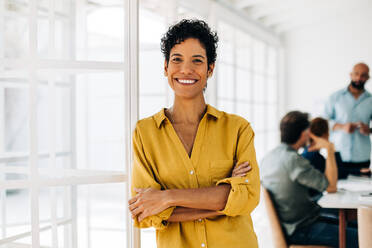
x=186 y=81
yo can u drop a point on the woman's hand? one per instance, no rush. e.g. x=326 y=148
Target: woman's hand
x=320 y=143
x=148 y=202
x=241 y=170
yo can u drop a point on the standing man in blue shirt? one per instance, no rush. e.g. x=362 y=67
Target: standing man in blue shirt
x=350 y=112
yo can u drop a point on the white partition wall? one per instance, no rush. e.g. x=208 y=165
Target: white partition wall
x=248 y=82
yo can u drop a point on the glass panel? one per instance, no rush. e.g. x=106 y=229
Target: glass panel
x=96 y=39
x=100 y=121
x=17 y=203
x=102 y=215
x=16 y=121
x=225 y=45
x=258 y=56
x=152 y=79
x=259 y=117
x=244 y=85
x=259 y=144
x=225 y=52
x=272 y=90
x=150 y=105
x=16 y=170
x=54 y=45
x=43 y=36
x=63 y=119
x=53 y=118
x=244 y=110
x=16 y=29
x=43 y=119
x=225 y=83
x=151 y=26
x=259 y=89
x=272 y=117
x=243 y=47
x=272 y=65
x=273 y=139
x=153 y=85
x=148 y=238
x=46 y=197
x=61 y=101
x=225 y=105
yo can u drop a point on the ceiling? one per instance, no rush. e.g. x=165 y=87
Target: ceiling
x=285 y=15
x=279 y=16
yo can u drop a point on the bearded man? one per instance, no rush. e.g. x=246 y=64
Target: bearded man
x=349 y=111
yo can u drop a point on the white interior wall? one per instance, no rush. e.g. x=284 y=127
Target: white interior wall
x=320 y=56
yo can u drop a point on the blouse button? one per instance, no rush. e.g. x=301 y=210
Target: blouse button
x=191 y=172
x=246 y=180
x=202 y=245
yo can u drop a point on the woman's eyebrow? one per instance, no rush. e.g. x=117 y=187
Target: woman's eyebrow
x=176 y=54
x=198 y=56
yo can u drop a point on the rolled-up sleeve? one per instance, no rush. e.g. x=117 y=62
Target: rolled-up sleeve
x=143 y=177
x=302 y=172
x=245 y=191
x=329 y=112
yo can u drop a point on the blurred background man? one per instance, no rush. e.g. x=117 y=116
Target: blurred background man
x=350 y=112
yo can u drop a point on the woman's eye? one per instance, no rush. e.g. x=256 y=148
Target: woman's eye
x=176 y=60
x=198 y=61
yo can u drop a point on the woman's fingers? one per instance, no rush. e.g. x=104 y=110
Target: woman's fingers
x=241 y=175
x=240 y=166
x=141 y=217
x=137 y=211
x=133 y=206
x=241 y=169
x=133 y=199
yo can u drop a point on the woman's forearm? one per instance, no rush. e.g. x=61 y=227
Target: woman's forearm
x=210 y=198
x=181 y=214
x=331 y=169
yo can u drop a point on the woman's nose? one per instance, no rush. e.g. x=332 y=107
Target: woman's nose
x=186 y=68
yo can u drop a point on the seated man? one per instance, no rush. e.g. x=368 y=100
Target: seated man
x=288 y=176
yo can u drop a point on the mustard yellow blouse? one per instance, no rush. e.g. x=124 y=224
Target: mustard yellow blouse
x=161 y=162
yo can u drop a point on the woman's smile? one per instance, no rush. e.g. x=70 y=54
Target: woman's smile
x=185 y=81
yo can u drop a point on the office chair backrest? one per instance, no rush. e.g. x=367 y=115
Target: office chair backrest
x=365 y=227
x=276 y=229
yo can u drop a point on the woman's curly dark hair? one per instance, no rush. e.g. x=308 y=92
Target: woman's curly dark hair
x=190 y=28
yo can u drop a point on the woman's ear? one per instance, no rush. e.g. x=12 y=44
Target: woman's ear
x=210 y=70
x=166 y=68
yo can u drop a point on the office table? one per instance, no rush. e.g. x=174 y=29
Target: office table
x=348 y=197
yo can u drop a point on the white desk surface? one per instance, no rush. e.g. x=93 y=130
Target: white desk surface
x=349 y=194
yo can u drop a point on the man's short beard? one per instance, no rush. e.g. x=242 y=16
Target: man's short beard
x=359 y=86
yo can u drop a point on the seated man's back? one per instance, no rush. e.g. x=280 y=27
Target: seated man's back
x=288 y=177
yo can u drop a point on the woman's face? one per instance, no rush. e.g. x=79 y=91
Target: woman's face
x=187 y=69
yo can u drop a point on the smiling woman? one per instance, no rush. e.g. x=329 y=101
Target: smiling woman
x=195 y=176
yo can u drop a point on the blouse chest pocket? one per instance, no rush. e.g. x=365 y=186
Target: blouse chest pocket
x=220 y=169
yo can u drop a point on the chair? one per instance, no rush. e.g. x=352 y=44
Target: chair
x=365 y=226
x=276 y=229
